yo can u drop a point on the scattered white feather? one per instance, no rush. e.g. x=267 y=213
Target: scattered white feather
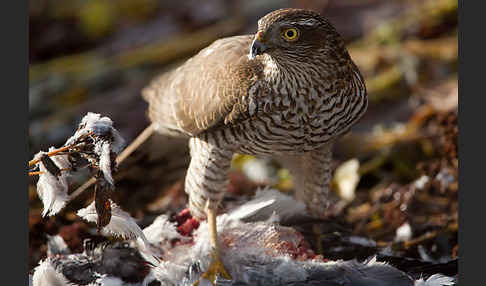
x=253 y=255
x=105 y=280
x=404 y=232
x=105 y=162
x=420 y=182
x=149 y=252
x=346 y=179
x=121 y=223
x=168 y=273
x=90 y=118
x=83 y=128
x=160 y=235
x=370 y=260
x=46 y=275
x=162 y=230
x=56 y=245
x=259 y=171
x=118 y=141
x=101 y=126
x=436 y=280
x=52 y=190
x=251 y=208
x=269 y=204
x=424 y=255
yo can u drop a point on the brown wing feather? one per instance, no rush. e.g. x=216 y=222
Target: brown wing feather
x=207 y=90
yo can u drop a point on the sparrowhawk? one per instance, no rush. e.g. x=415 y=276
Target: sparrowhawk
x=287 y=92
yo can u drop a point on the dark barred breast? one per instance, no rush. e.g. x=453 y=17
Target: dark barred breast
x=295 y=123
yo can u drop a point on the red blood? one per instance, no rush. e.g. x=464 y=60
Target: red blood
x=182 y=216
x=185 y=222
x=186 y=228
x=302 y=251
x=194 y=223
x=180 y=242
x=282 y=245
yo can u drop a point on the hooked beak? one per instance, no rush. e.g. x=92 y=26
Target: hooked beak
x=257 y=47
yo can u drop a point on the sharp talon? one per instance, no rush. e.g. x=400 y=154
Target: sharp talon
x=216 y=268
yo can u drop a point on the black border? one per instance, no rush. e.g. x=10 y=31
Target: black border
x=471 y=143
x=14 y=116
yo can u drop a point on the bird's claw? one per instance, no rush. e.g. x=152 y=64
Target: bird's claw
x=216 y=268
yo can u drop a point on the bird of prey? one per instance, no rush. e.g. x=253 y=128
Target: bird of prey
x=288 y=92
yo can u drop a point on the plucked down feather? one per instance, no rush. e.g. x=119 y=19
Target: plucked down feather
x=256 y=249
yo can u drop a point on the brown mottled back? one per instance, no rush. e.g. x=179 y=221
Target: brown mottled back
x=206 y=90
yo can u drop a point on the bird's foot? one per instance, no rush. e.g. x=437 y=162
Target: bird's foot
x=216 y=268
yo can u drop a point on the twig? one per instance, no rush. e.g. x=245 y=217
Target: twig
x=82 y=188
x=146 y=133
x=428 y=236
x=57 y=151
x=424 y=237
x=52 y=153
x=41 y=172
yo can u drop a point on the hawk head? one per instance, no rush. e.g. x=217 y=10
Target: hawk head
x=297 y=34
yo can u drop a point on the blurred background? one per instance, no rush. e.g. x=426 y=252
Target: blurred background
x=396 y=171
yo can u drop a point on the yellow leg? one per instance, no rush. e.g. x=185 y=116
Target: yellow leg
x=216 y=266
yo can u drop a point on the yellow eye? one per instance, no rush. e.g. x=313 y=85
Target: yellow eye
x=290 y=34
